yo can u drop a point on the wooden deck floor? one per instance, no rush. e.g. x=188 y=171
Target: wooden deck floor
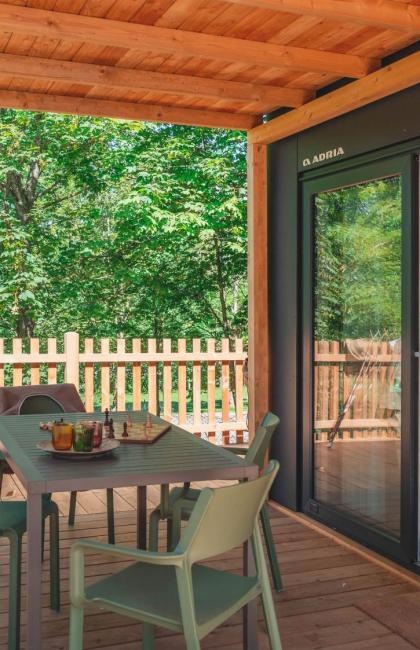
x=334 y=596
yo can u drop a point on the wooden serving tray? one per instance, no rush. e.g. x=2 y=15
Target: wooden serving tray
x=137 y=433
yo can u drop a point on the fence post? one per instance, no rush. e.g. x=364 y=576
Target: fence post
x=71 y=350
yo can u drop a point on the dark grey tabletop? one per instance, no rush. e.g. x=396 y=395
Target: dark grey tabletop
x=177 y=456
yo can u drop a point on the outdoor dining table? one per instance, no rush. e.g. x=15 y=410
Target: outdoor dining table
x=177 y=457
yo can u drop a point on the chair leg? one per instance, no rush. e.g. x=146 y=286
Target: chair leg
x=271 y=549
x=186 y=601
x=266 y=594
x=54 y=560
x=169 y=536
x=176 y=524
x=154 y=530
x=72 y=509
x=14 y=590
x=110 y=515
x=148 y=636
x=76 y=628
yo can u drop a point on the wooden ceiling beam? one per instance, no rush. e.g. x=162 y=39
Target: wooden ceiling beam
x=387 y=81
x=262 y=97
x=386 y=14
x=125 y=110
x=86 y=29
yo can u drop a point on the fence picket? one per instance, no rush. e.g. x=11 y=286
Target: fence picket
x=372 y=413
x=136 y=377
x=167 y=382
x=196 y=384
x=89 y=379
x=52 y=367
x=335 y=382
x=152 y=379
x=34 y=349
x=182 y=384
x=225 y=390
x=105 y=377
x=239 y=389
x=17 y=367
x=71 y=350
x=211 y=389
x=25 y=366
x=120 y=388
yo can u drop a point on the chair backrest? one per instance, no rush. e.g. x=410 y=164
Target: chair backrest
x=224 y=518
x=261 y=442
x=32 y=404
x=12 y=397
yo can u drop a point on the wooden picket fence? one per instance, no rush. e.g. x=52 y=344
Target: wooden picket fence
x=152 y=370
x=374 y=411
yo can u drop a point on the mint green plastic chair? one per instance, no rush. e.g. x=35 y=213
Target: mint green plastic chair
x=173 y=590
x=178 y=504
x=13 y=526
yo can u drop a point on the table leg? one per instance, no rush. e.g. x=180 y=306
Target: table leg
x=34 y=589
x=250 y=617
x=142 y=517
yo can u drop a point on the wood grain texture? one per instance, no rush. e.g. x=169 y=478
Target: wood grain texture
x=258 y=345
x=263 y=97
x=386 y=14
x=387 y=81
x=89 y=378
x=260 y=43
x=334 y=598
x=124 y=110
x=111 y=33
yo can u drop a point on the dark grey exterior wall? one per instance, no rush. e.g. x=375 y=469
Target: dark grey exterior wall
x=369 y=130
x=284 y=316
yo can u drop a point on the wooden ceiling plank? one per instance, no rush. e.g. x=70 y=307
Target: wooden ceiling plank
x=100 y=31
x=386 y=14
x=125 y=110
x=391 y=79
x=110 y=76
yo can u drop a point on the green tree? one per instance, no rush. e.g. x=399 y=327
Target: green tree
x=113 y=227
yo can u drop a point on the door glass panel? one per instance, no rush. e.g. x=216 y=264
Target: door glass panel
x=357 y=349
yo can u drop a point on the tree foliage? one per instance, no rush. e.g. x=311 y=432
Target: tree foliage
x=110 y=227
x=358 y=261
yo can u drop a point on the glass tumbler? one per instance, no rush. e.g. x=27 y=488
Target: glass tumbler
x=62 y=436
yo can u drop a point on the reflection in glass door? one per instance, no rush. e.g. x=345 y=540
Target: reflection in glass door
x=359 y=334
x=357 y=343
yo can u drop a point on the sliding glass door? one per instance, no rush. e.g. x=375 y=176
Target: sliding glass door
x=358 y=327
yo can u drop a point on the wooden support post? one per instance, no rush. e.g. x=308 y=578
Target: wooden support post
x=258 y=352
x=71 y=350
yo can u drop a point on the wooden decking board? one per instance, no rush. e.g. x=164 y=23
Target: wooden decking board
x=389 y=642
x=400 y=614
x=334 y=598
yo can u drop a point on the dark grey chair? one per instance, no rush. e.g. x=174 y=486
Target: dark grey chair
x=49 y=399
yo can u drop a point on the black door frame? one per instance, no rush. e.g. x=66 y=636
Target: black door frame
x=405 y=550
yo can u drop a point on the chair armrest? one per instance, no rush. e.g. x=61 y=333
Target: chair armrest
x=174 y=558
